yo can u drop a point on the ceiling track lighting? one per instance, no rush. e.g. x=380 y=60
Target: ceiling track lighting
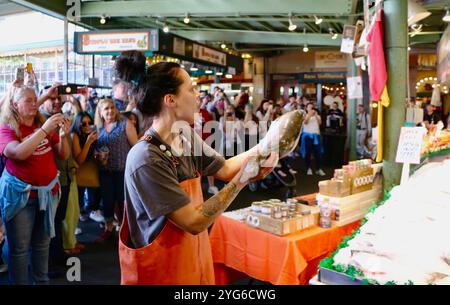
x=166 y=28
x=305 y=48
x=317 y=20
x=446 y=17
x=333 y=34
x=186 y=19
x=291 y=26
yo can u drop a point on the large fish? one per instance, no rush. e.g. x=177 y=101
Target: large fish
x=282 y=138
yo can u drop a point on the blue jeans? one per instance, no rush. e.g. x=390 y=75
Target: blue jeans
x=311 y=148
x=27 y=230
x=93 y=199
x=112 y=191
x=57 y=254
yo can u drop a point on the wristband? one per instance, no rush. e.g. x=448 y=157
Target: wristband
x=46 y=134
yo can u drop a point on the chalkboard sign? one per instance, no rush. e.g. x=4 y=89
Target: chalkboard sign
x=410 y=145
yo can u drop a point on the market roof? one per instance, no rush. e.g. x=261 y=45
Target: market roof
x=243 y=25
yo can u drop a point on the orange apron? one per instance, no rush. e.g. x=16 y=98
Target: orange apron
x=174 y=257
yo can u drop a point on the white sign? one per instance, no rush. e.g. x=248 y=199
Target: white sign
x=348 y=39
x=207 y=54
x=178 y=46
x=330 y=60
x=410 y=145
x=354 y=87
x=115 y=42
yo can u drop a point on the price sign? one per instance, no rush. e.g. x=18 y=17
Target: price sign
x=410 y=145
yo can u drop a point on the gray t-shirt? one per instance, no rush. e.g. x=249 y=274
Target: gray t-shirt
x=152 y=182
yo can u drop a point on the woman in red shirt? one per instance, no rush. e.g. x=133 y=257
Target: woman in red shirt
x=28 y=144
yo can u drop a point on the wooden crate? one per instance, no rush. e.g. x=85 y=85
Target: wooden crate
x=283 y=227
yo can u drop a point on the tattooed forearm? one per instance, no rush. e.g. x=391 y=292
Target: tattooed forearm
x=220 y=202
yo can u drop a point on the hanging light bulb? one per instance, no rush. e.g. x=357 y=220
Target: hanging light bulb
x=291 y=26
x=317 y=20
x=446 y=18
x=305 y=48
x=166 y=28
x=223 y=46
x=186 y=19
x=103 y=19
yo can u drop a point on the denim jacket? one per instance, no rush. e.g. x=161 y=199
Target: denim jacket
x=14 y=195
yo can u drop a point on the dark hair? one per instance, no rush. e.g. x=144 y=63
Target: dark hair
x=150 y=84
x=260 y=108
x=293 y=95
x=76 y=126
x=128 y=115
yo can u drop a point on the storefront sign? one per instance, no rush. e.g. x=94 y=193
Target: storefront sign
x=322 y=77
x=330 y=60
x=110 y=41
x=210 y=55
x=179 y=46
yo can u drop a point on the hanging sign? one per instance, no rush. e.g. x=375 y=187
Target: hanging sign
x=210 y=55
x=179 y=46
x=116 y=41
x=330 y=60
x=354 y=87
x=348 y=39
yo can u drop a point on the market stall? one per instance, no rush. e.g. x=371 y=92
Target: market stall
x=403 y=240
x=283 y=242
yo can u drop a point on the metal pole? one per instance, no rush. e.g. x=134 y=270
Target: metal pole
x=66 y=52
x=395 y=32
x=351 y=114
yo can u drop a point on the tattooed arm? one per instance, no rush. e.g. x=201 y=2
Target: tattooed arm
x=197 y=218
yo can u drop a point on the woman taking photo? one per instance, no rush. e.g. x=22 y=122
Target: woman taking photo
x=29 y=186
x=164 y=238
x=84 y=141
x=310 y=139
x=116 y=135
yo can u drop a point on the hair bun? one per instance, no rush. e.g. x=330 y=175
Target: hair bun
x=130 y=66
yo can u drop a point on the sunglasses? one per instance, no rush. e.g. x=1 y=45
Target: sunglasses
x=230 y=113
x=85 y=124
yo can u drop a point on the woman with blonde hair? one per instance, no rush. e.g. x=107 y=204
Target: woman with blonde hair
x=116 y=136
x=29 y=186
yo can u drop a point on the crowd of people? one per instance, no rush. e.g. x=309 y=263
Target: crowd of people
x=60 y=151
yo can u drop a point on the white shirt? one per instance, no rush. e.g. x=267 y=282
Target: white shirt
x=312 y=126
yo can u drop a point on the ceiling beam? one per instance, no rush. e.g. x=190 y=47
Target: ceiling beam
x=424 y=39
x=258 y=37
x=213 y=7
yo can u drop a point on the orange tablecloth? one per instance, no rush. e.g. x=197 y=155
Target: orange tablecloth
x=288 y=260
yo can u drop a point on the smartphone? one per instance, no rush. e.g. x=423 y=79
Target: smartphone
x=66 y=89
x=20 y=74
x=93 y=128
x=29 y=67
